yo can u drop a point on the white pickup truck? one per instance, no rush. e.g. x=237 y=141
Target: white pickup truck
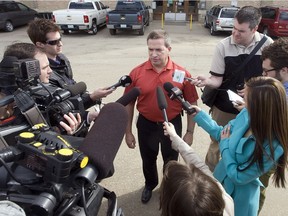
x=81 y=15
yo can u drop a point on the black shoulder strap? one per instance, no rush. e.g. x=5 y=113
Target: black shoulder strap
x=254 y=51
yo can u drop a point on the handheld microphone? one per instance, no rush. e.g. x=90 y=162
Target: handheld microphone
x=77 y=88
x=175 y=92
x=104 y=138
x=162 y=103
x=129 y=96
x=124 y=81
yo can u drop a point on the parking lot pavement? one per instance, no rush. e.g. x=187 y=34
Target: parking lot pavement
x=100 y=60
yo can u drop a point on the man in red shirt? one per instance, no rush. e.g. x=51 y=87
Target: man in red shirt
x=158 y=70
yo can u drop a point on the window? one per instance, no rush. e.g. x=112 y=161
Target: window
x=226 y=13
x=12 y=7
x=284 y=15
x=75 y=5
x=97 y=6
x=22 y=7
x=268 y=13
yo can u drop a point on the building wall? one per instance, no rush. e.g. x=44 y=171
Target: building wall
x=50 y=5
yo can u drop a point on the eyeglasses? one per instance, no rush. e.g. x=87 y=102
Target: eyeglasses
x=54 y=42
x=272 y=69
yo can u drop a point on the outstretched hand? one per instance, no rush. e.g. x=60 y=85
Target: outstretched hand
x=169 y=130
x=101 y=93
x=199 y=81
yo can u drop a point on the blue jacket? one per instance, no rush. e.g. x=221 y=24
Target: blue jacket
x=243 y=185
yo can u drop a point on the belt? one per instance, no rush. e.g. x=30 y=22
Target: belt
x=158 y=122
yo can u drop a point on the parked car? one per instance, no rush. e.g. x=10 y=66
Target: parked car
x=128 y=14
x=220 y=18
x=274 y=21
x=14 y=14
x=81 y=15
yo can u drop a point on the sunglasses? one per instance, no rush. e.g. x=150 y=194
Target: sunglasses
x=54 y=42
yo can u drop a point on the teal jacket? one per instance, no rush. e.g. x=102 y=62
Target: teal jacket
x=240 y=180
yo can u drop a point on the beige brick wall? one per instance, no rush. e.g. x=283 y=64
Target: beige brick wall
x=50 y=5
x=241 y=3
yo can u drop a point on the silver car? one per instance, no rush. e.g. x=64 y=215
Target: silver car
x=220 y=18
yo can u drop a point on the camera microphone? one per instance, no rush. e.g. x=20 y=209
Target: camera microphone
x=77 y=88
x=175 y=92
x=105 y=137
x=162 y=103
x=129 y=96
x=124 y=81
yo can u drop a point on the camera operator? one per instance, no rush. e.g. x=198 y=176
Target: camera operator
x=46 y=36
x=28 y=51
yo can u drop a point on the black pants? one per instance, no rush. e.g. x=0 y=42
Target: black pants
x=150 y=134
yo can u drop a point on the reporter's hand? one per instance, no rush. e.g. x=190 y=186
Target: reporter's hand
x=200 y=81
x=73 y=123
x=225 y=133
x=197 y=110
x=100 y=93
x=130 y=140
x=92 y=115
x=169 y=130
x=239 y=105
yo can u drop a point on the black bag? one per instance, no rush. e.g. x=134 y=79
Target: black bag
x=209 y=95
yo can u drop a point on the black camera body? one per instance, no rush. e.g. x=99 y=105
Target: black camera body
x=52 y=101
x=49 y=155
x=63 y=173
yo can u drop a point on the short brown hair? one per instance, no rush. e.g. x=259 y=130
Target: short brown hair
x=277 y=52
x=38 y=29
x=249 y=14
x=160 y=34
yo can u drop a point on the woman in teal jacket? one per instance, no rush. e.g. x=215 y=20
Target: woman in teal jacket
x=251 y=144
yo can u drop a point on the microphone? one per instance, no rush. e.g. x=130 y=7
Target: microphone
x=129 y=96
x=162 y=103
x=77 y=88
x=124 y=81
x=175 y=92
x=104 y=138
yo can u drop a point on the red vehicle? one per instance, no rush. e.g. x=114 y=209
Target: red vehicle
x=274 y=21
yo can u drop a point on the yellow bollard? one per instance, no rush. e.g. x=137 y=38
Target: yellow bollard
x=191 y=22
x=162 y=19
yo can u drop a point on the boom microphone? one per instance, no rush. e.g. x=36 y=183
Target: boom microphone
x=129 y=96
x=175 y=92
x=124 y=81
x=103 y=140
x=77 y=88
x=162 y=103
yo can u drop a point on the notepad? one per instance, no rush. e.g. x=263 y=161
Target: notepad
x=234 y=97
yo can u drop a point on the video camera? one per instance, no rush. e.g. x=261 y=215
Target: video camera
x=52 y=101
x=61 y=182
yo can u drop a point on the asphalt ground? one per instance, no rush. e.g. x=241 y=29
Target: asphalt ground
x=100 y=60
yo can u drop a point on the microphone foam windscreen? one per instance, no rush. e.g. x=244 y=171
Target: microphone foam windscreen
x=104 y=138
x=168 y=86
x=125 y=81
x=162 y=103
x=77 y=88
x=129 y=96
